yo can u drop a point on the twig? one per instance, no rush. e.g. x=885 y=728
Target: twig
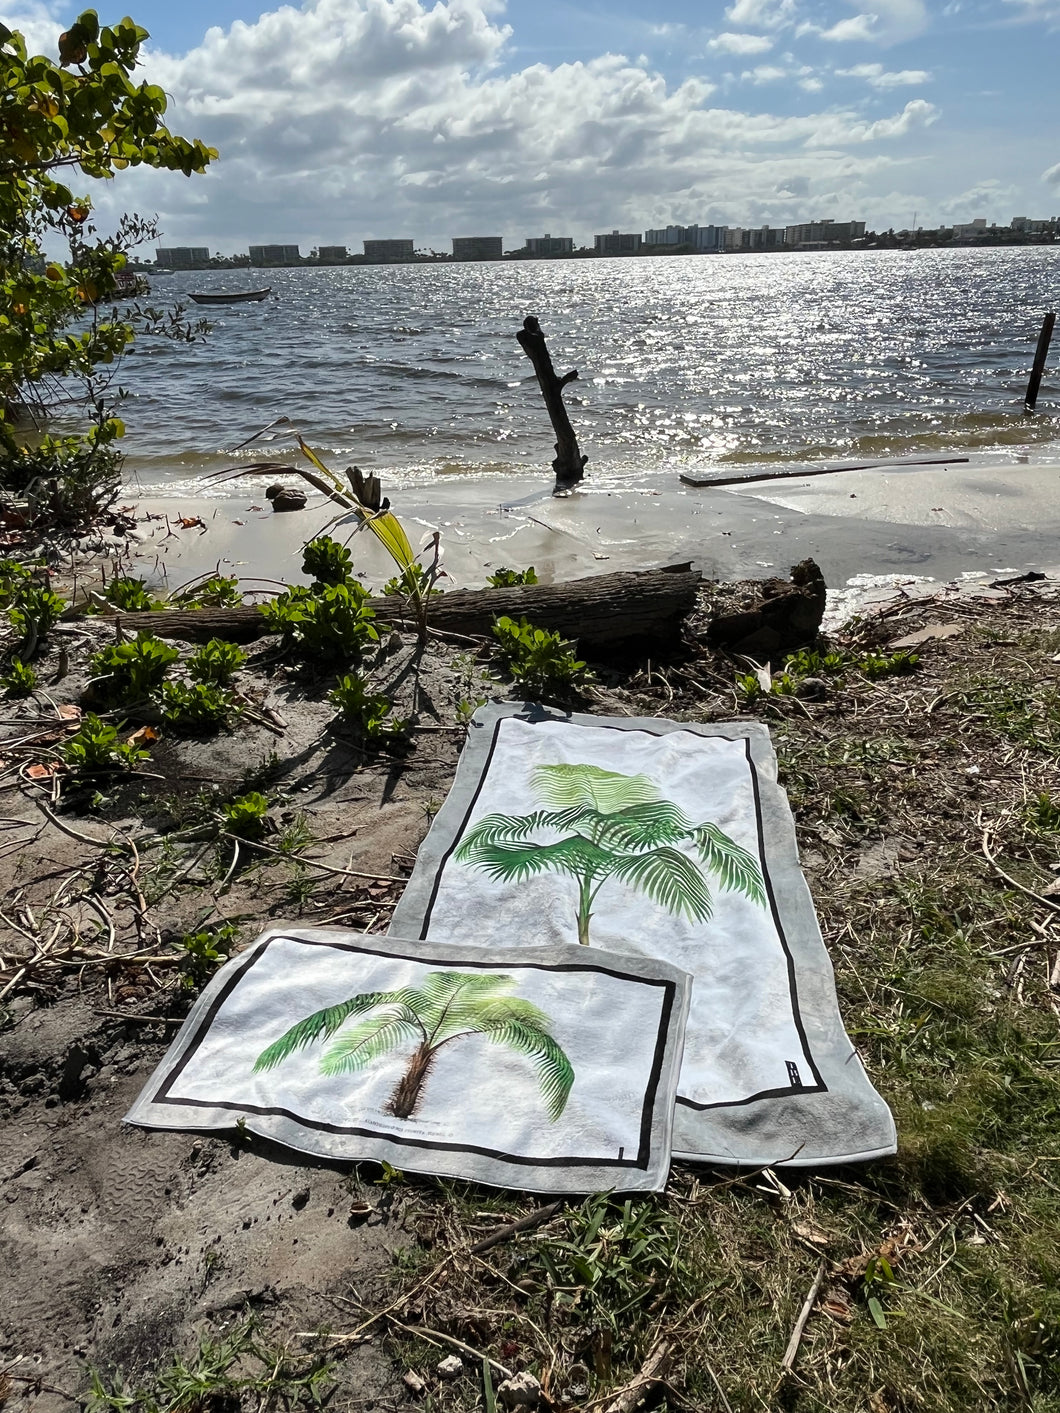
x=326 y=868
x=533 y=1219
x=440 y=1337
x=142 y=1020
x=652 y=1372
x=1045 y=902
x=788 y=1362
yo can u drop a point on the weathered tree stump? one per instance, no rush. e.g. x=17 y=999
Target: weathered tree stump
x=598 y=611
x=788 y=617
x=569 y=464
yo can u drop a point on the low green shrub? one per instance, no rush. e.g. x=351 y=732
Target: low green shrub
x=35 y=611
x=369 y=712
x=19 y=680
x=328 y=623
x=511 y=578
x=132 y=671
x=197 y=707
x=247 y=815
x=216 y=661
x=325 y=561
x=216 y=592
x=414 y=582
x=130 y=595
x=205 y=951
x=97 y=747
x=540 y=662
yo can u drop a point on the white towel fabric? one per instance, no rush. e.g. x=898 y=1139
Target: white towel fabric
x=547 y=1068
x=672 y=842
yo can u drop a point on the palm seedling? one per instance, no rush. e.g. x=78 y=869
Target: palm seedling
x=448 y=1007
x=604 y=826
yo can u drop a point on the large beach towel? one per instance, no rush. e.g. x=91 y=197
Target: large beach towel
x=504 y=1067
x=670 y=841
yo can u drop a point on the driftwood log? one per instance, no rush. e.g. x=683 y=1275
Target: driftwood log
x=569 y=464
x=786 y=617
x=599 y=611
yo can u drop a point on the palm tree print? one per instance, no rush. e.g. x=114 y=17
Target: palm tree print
x=612 y=826
x=449 y=1006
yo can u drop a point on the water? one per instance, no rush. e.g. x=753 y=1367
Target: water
x=687 y=364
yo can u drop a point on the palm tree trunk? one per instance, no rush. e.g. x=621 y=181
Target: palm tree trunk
x=406 y=1095
x=585 y=900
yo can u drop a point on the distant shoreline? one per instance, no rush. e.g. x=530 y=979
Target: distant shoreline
x=900 y=240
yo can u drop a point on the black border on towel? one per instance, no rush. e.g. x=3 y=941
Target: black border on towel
x=164 y=1095
x=786 y=1091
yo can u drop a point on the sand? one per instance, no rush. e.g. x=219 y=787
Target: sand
x=933 y=521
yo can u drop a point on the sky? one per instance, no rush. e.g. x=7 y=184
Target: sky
x=340 y=120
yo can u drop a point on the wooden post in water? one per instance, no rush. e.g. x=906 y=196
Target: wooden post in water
x=1040 y=355
x=569 y=464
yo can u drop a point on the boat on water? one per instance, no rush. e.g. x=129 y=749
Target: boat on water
x=245 y=296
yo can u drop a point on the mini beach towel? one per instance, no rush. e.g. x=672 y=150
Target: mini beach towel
x=670 y=841
x=504 y=1067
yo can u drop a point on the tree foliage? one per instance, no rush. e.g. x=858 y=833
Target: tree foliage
x=81 y=117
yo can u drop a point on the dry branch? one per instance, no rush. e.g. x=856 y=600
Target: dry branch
x=569 y=464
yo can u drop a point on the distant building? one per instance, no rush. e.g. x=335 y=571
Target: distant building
x=692 y=237
x=617 y=243
x=821 y=233
x=550 y=245
x=182 y=257
x=333 y=255
x=388 y=252
x=478 y=247
x=763 y=238
x=1027 y=227
x=275 y=255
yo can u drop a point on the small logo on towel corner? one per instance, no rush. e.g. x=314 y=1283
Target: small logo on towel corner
x=794 y=1078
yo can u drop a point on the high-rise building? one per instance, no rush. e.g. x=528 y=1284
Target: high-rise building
x=617 y=243
x=823 y=233
x=478 y=247
x=181 y=257
x=275 y=255
x=695 y=237
x=333 y=254
x=550 y=245
x=388 y=252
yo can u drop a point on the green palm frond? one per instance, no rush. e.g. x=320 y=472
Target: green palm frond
x=603 y=790
x=325 y=1023
x=511 y=828
x=471 y=1016
x=736 y=868
x=644 y=826
x=555 y=1073
x=669 y=879
x=443 y=992
x=515 y=862
x=355 y=1049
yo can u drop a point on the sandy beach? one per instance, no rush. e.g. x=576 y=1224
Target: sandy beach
x=930 y=521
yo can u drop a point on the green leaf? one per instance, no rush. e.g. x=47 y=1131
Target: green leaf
x=736 y=868
x=669 y=879
x=603 y=790
x=876 y=1311
x=355 y=1049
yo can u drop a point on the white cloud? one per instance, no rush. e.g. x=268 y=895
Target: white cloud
x=764 y=73
x=1052 y=176
x=763 y=14
x=355 y=118
x=889 y=22
x=741 y=43
x=878 y=77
